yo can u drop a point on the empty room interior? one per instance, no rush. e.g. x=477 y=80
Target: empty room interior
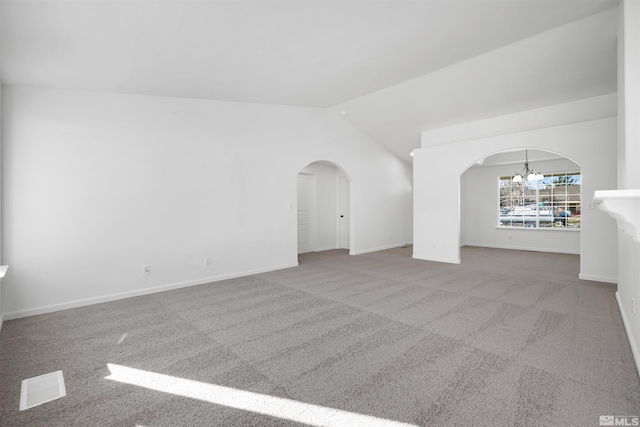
x=329 y=213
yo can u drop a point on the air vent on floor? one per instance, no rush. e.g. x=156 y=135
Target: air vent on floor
x=42 y=389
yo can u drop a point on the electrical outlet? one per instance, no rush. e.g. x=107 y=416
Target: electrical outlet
x=207 y=260
x=146 y=269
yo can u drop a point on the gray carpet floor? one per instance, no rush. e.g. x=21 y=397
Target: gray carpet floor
x=507 y=338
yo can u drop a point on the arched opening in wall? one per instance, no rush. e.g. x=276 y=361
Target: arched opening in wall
x=524 y=199
x=323 y=208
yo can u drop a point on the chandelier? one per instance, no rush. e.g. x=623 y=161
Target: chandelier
x=526 y=172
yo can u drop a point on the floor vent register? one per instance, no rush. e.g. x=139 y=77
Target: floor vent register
x=42 y=389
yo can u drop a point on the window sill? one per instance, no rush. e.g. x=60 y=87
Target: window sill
x=552 y=229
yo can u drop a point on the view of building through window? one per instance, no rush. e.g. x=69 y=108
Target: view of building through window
x=551 y=202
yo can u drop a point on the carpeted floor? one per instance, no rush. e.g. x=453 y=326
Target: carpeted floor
x=507 y=338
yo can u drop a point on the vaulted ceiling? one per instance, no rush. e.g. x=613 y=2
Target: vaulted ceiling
x=395 y=68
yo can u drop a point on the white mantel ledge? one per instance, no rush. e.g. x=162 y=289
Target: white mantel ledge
x=624 y=206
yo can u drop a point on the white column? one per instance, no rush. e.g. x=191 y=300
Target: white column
x=629 y=95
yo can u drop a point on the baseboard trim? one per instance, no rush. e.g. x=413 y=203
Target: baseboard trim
x=1 y=322
x=139 y=292
x=436 y=259
x=632 y=341
x=520 y=248
x=380 y=248
x=328 y=248
x=593 y=278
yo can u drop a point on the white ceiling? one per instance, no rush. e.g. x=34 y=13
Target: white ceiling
x=390 y=64
x=572 y=62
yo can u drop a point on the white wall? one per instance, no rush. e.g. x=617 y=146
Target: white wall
x=589 y=143
x=98 y=185
x=325 y=206
x=629 y=289
x=479 y=217
x=1 y=222
x=629 y=93
x=464 y=208
x=628 y=163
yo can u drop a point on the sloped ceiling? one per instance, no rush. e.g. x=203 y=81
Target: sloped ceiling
x=397 y=67
x=568 y=63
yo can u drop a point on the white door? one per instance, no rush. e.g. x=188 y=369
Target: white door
x=343 y=213
x=305 y=213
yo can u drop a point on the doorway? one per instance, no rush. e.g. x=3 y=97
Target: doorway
x=344 y=216
x=323 y=208
x=539 y=213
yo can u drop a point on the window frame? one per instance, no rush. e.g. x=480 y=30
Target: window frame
x=570 y=202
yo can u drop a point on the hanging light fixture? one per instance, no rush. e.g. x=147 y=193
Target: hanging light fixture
x=526 y=172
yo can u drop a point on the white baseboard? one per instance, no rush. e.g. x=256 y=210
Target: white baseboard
x=593 y=278
x=139 y=292
x=521 y=248
x=380 y=248
x=1 y=322
x=436 y=259
x=632 y=341
x=328 y=248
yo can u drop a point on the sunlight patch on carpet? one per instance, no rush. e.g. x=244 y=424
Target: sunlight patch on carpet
x=245 y=400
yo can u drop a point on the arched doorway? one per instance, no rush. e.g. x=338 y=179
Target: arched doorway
x=323 y=208
x=542 y=214
x=436 y=186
